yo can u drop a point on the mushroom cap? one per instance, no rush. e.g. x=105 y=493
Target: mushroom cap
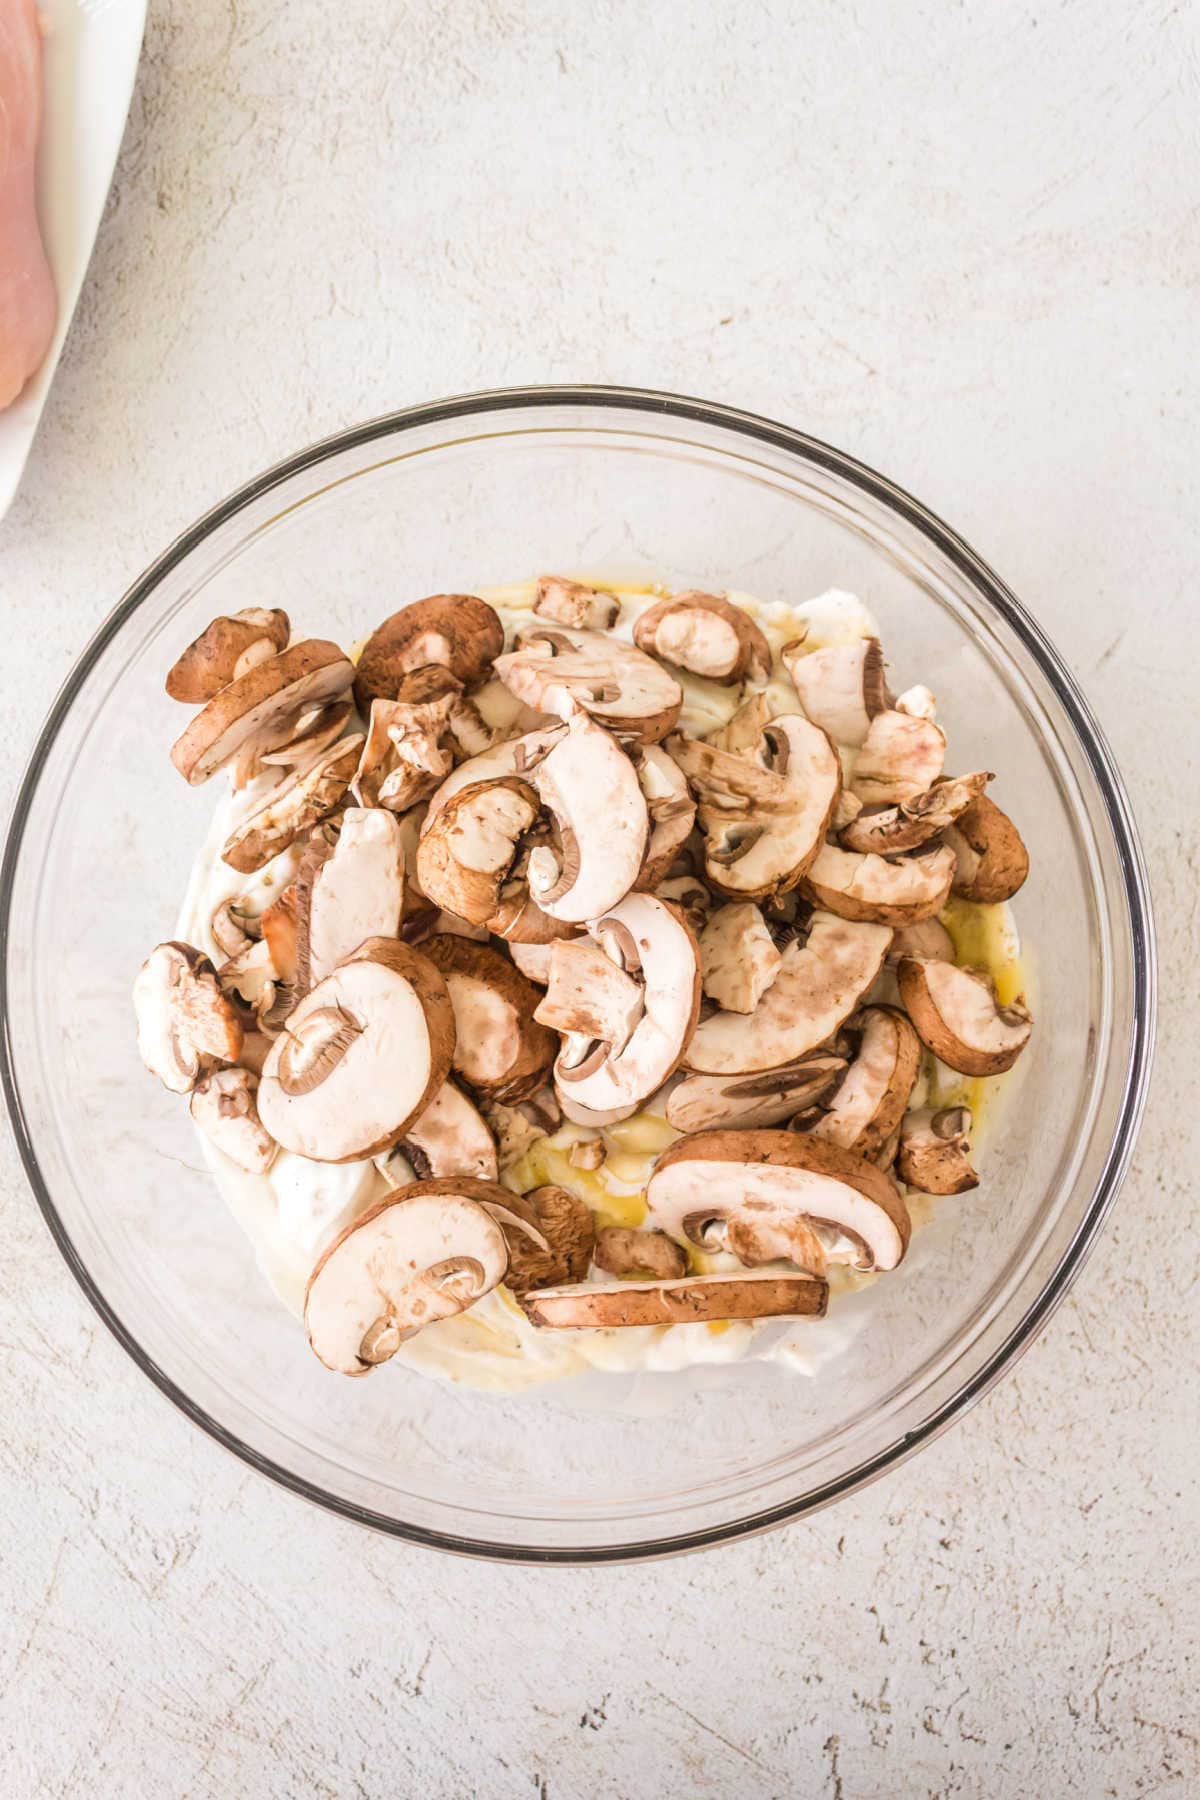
x=888 y=830
x=422 y=1253
x=500 y=1048
x=348 y=891
x=764 y=1176
x=308 y=674
x=935 y=1153
x=703 y=1102
x=301 y=800
x=992 y=861
x=225 y=649
x=691 y=1300
x=557 y=670
x=957 y=1015
x=360 y=1057
x=574 y=603
x=738 y=956
x=818 y=986
x=671 y=808
x=450 y=1138
x=841 y=687
x=707 y=635
x=901 y=756
x=464 y=858
x=870 y=1101
x=459 y=632
x=899 y=891
x=224 y=1105
x=185 y=1022
x=650 y=1255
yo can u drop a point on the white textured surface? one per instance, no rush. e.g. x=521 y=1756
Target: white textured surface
x=965 y=247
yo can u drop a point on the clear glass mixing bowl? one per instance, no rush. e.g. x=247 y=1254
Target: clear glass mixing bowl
x=482 y=490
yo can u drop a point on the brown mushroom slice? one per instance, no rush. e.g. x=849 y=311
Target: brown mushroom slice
x=888 y=830
x=360 y=1057
x=992 y=861
x=533 y=960
x=902 y=891
x=671 y=809
x=458 y=632
x=959 y=1018
x=500 y=1050
x=227 y=648
x=707 y=635
x=573 y=603
x=450 y=1138
x=300 y=801
x=404 y=757
x=464 y=858
x=644 y=1255
x=901 y=757
x=690 y=895
x=590 y=788
x=841 y=688
x=819 y=984
x=280 y=925
x=550 y=1236
x=702 y=1102
x=558 y=670
x=691 y=1300
x=588 y=994
x=738 y=957
x=416 y=1257
x=764 y=1179
x=313 y=731
x=185 y=1023
x=870 y=1101
x=929 y=938
x=515 y=756
x=350 y=887
x=257 y=704
x=935 y=1151
x=224 y=1105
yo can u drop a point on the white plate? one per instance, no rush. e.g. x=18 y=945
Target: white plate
x=92 y=49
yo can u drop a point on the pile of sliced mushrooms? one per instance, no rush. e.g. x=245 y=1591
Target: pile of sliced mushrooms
x=583 y=913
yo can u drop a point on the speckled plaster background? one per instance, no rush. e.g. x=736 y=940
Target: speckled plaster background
x=962 y=242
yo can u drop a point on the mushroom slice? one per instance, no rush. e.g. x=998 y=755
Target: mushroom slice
x=533 y=960
x=992 y=859
x=516 y=756
x=959 y=1018
x=300 y=801
x=572 y=603
x=701 y=1102
x=648 y=1255
x=935 y=1151
x=281 y=932
x=841 y=688
x=707 y=635
x=459 y=632
x=349 y=888
x=870 y=1102
x=887 y=830
x=929 y=938
x=254 y=707
x=901 y=757
x=225 y=1107
x=500 y=1050
x=764 y=1181
x=550 y=1238
x=185 y=1022
x=764 y=813
x=588 y=994
x=227 y=648
x=600 y=1081
x=819 y=984
x=558 y=670
x=464 y=858
x=234 y=927
x=360 y=1057
x=590 y=788
x=423 y=1253
x=450 y=1137
x=691 y=1300
x=899 y=891
x=310 y=733
x=671 y=808
x=919 y=702
x=403 y=758
x=738 y=957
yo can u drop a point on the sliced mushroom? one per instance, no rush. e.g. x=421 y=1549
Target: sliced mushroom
x=819 y=984
x=959 y=1018
x=281 y=933
x=562 y=1247
x=644 y=1255
x=234 y=927
x=225 y=1107
x=458 y=632
x=590 y=788
x=870 y=1101
x=929 y=938
x=841 y=688
x=692 y=1300
x=935 y=1151
x=185 y=1022
x=887 y=830
x=738 y=957
x=533 y=960
x=702 y=1102
x=558 y=670
x=707 y=635
x=350 y=887
x=571 y=603
x=991 y=856
x=360 y=1057
x=312 y=731
x=260 y=705
x=590 y=995
x=515 y=756
x=464 y=858
x=900 y=758
x=450 y=1138
x=227 y=648
x=899 y=891
x=500 y=1050
x=766 y=1180
x=423 y=1253
x=252 y=978
x=587 y=1153
x=918 y=702
x=671 y=808
x=300 y=801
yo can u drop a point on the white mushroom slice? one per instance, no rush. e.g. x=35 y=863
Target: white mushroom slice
x=450 y=1137
x=764 y=814
x=252 y=977
x=707 y=635
x=959 y=1018
x=819 y=984
x=587 y=1153
x=185 y=1022
x=702 y=1102
x=935 y=1151
x=500 y=1050
x=403 y=758
x=415 y=1257
x=589 y=995
x=558 y=670
x=234 y=927
x=671 y=808
x=360 y=1057
x=891 y=892
x=918 y=702
x=533 y=960
x=992 y=861
x=227 y=648
x=693 y=1300
x=348 y=890
x=516 y=756
x=300 y=801
x=464 y=858
x=887 y=830
x=252 y=708
x=225 y=1107
x=550 y=1235
x=458 y=632
x=869 y=1104
x=929 y=938
x=571 y=603
x=741 y=732
x=650 y=1255
x=766 y=1179
x=738 y=957
x=900 y=757
x=841 y=688
x=590 y=788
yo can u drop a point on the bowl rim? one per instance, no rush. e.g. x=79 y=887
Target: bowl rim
x=1136 y=893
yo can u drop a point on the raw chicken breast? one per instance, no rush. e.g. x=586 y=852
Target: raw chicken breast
x=28 y=305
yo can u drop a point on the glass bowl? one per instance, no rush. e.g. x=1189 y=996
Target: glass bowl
x=483 y=490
